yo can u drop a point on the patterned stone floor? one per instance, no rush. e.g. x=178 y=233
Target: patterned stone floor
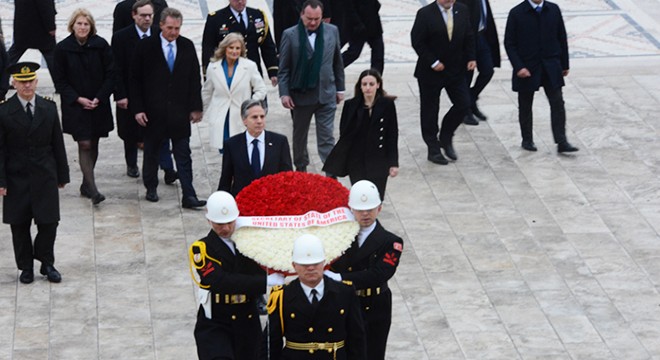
x=509 y=254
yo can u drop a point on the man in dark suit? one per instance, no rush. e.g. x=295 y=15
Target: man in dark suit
x=369 y=263
x=123 y=44
x=34 y=28
x=368 y=29
x=314 y=317
x=252 y=23
x=535 y=41
x=33 y=166
x=123 y=14
x=311 y=80
x=240 y=163
x=228 y=324
x=165 y=88
x=487 y=52
x=442 y=38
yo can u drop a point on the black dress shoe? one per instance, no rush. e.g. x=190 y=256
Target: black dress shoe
x=192 y=202
x=152 y=195
x=170 y=177
x=449 y=152
x=97 y=198
x=478 y=113
x=437 y=159
x=566 y=147
x=51 y=273
x=529 y=146
x=470 y=120
x=27 y=276
x=132 y=171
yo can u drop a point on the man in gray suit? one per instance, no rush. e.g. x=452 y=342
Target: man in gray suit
x=311 y=80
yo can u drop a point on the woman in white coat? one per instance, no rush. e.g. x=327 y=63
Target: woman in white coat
x=231 y=78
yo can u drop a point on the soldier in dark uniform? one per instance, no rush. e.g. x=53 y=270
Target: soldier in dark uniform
x=33 y=166
x=228 y=325
x=250 y=22
x=369 y=263
x=320 y=318
x=34 y=28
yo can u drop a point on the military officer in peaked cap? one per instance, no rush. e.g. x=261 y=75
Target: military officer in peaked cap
x=319 y=318
x=33 y=165
x=252 y=24
x=369 y=263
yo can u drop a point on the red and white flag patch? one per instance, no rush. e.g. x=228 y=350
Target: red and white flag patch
x=398 y=247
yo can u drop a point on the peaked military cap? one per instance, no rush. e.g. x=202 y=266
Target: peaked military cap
x=24 y=71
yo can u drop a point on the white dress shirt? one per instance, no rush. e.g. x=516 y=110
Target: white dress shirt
x=261 y=146
x=319 y=291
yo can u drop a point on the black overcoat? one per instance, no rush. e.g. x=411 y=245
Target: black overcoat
x=491 y=30
x=88 y=71
x=33 y=20
x=537 y=42
x=337 y=317
x=381 y=143
x=32 y=162
x=166 y=97
x=123 y=44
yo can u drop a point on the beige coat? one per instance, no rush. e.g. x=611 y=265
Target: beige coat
x=218 y=98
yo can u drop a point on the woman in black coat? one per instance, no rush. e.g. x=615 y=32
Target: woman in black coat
x=368 y=134
x=84 y=78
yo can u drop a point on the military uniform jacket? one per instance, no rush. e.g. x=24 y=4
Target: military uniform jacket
x=32 y=162
x=236 y=274
x=373 y=264
x=337 y=317
x=257 y=37
x=381 y=143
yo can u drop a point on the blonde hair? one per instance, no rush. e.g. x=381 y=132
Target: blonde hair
x=231 y=38
x=85 y=13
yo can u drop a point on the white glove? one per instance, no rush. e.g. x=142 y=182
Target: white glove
x=275 y=279
x=332 y=275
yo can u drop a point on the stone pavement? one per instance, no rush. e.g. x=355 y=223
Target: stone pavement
x=508 y=255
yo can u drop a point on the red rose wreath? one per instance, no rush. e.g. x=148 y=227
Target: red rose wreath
x=277 y=209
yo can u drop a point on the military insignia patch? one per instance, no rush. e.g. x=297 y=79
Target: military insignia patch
x=398 y=246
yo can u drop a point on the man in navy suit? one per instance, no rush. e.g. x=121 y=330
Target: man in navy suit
x=240 y=164
x=535 y=40
x=443 y=39
x=165 y=88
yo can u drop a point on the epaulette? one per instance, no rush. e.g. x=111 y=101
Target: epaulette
x=3 y=101
x=347 y=282
x=48 y=98
x=212 y=13
x=276 y=288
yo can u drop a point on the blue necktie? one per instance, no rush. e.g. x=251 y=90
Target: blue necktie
x=255 y=161
x=170 y=57
x=538 y=9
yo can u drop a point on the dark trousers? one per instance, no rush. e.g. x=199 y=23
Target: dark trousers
x=181 y=152
x=377 y=51
x=429 y=93
x=42 y=250
x=16 y=51
x=557 y=114
x=222 y=340
x=377 y=322
x=164 y=158
x=485 y=66
x=324 y=116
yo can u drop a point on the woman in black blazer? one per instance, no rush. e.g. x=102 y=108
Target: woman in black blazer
x=368 y=134
x=84 y=78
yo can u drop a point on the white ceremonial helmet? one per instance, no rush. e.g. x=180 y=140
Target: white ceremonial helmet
x=221 y=208
x=308 y=250
x=364 y=196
